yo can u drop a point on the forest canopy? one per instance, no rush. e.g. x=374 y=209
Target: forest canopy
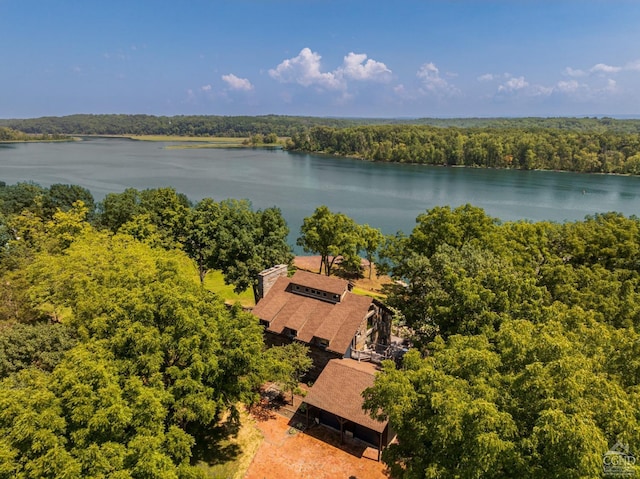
x=115 y=361
x=282 y=125
x=510 y=146
x=526 y=345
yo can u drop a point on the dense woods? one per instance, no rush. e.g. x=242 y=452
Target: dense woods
x=509 y=147
x=282 y=125
x=115 y=361
x=526 y=358
x=229 y=126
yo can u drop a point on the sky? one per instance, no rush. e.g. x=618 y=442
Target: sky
x=342 y=58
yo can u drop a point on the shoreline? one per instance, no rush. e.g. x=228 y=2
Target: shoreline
x=352 y=157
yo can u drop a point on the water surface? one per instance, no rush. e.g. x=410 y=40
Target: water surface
x=387 y=196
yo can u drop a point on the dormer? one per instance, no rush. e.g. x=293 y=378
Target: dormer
x=320 y=342
x=289 y=333
x=316 y=293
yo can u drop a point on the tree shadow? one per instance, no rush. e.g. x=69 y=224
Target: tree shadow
x=271 y=401
x=215 y=445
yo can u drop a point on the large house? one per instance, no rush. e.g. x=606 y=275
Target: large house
x=324 y=313
x=341 y=328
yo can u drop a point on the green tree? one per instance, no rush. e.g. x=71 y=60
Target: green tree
x=160 y=361
x=332 y=236
x=286 y=365
x=200 y=242
x=14 y=199
x=62 y=197
x=531 y=401
x=372 y=239
x=39 y=345
x=116 y=209
x=230 y=236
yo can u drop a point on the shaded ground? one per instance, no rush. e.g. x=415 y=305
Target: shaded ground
x=230 y=449
x=290 y=450
x=373 y=285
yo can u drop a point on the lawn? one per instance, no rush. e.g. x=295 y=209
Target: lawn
x=200 y=139
x=189 y=142
x=214 y=281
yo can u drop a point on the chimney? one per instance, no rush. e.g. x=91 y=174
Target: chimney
x=268 y=277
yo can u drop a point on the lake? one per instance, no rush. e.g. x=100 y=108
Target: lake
x=387 y=196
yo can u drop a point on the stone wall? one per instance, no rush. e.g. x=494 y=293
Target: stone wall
x=268 y=277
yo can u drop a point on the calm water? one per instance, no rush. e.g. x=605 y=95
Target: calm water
x=387 y=196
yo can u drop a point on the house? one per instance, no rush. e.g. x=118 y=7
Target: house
x=324 y=313
x=335 y=400
x=346 y=334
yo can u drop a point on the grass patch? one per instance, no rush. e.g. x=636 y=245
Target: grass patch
x=236 y=451
x=214 y=281
x=187 y=142
x=201 y=139
x=190 y=142
x=365 y=292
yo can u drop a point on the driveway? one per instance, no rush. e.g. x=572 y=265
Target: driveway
x=314 y=453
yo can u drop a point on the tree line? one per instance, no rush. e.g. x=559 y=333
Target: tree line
x=115 y=361
x=10 y=135
x=193 y=125
x=509 y=147
x=282 y=125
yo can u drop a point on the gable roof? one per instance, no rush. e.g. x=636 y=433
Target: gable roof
x=330 y=284
x=311 y=316
x=339 y=388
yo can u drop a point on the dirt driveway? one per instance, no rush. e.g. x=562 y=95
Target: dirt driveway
x=316 y=453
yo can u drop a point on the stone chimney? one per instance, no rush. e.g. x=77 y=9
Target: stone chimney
x=268 y=277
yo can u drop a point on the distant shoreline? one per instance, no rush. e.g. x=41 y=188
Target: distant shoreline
x=197 y=141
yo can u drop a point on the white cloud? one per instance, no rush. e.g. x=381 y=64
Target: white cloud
x=612 y=86
x=304 y=69
x=487 y=77
x=399 y=88
x=206 y=88
x=433 y=82
x=573 y=72
x=604 y=68
x=570 y=86
x=355 y=67
x=633 y=66
x=236 y=83
x=513 y=84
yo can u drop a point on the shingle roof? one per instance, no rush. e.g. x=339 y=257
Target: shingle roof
x=339 y=388
x=311 y=316
x=329 y=284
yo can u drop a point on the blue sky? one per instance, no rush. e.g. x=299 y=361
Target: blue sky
x=346 y=58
